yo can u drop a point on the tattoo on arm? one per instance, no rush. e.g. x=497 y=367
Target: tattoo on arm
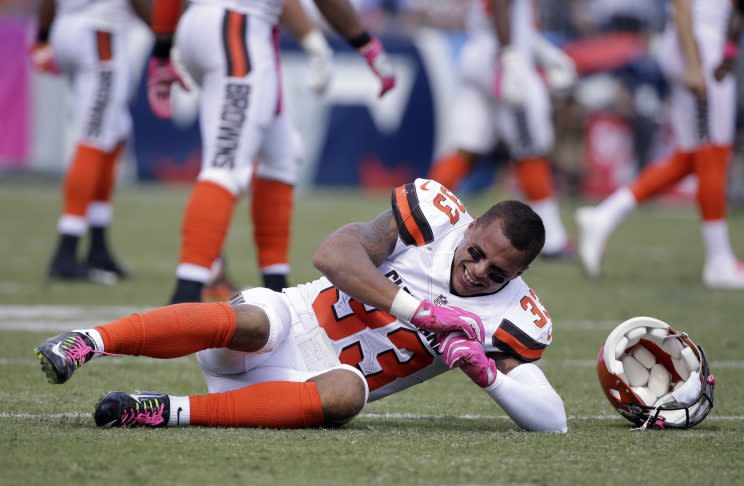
x=379 y=236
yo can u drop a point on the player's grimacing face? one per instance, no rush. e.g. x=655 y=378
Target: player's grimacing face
x=484 y=260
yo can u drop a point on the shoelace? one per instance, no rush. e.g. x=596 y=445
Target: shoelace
x=152 y=417
x=78 y=351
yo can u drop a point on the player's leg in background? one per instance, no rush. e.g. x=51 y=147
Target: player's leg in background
x=235 y=109
x=281 y=156
x=716 y=116
x=472 y=130
x=88 y=56
x=473 y=133
x=100 y=210
x=528 y=133
x=596 y=224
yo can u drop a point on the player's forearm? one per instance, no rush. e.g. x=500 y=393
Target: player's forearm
x=527 y=397
x=685 y=36
x=45 y=18
x=295 y=19
x=342 y=17
x=344 y=260
x=500 y=17
x=143 y=10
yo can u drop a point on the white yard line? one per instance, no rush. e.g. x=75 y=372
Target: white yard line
x=375 y=416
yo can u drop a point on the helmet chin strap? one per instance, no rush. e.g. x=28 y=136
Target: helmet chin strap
x=653 y=415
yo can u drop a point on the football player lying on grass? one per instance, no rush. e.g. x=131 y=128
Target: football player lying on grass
x=421 y=289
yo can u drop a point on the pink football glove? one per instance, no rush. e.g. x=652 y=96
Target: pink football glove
x=468 y=355
x=442 y=319
x=42 y=58
x=374 y=53
x=160 y=76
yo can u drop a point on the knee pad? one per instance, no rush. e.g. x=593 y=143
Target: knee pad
x=276 y=309
x=235 y=181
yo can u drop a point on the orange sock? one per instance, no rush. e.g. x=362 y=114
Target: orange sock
x=172 y=331
x=450 y=170
x=205 y=223
x=275 y=404
x=711 y=166
x=535 y=178
x=657 y=177
x=105 y=185
x=82 y=179
x=271 y=207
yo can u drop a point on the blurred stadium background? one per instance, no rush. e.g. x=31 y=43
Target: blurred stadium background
x=442 y=432
x=610 y=125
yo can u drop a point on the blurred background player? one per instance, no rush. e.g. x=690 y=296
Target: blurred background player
x=87 y=41
x=697 y=57
x=503 y=97
x=230 y=49
x=273 y=190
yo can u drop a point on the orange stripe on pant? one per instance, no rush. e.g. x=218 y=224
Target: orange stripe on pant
x=271 y=208
x=234 y=40
x=205 y=223
x=275 y=404
x=711 y=168
x=103 y=44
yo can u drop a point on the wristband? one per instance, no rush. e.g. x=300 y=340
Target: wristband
x=314 y=42
x=730 y=51
x=42 y=36
x=404 y=305
x=359 y=41
x=161 y=49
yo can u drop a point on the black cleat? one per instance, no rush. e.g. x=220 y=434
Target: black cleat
x=61 y=355
x=71 y=270
x=139 y=409
x=104 y=261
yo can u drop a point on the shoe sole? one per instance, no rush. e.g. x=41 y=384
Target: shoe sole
x=48 y=368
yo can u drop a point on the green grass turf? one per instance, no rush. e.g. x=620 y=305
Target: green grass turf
x=445 y=431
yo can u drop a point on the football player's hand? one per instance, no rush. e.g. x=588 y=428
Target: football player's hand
x=378 y=62
x=161 y=74
x=42 y=58
x=560 y=70
x=442 y=319
x=694 y=80
x=321 y=61
x=512 y=76
x=467 y=354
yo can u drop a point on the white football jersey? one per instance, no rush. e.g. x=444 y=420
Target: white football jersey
x=393 y=354
x=522 y=22
x=709 y=17
x=106 y=11
x=268 y=10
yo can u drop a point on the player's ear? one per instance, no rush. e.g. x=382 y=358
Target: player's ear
x=471 y=225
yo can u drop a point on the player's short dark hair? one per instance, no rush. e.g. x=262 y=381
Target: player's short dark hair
x=520 y=224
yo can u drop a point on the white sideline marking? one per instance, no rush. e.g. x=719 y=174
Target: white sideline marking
x=377 y=416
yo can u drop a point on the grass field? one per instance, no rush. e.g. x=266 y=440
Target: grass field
x=445 y=431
